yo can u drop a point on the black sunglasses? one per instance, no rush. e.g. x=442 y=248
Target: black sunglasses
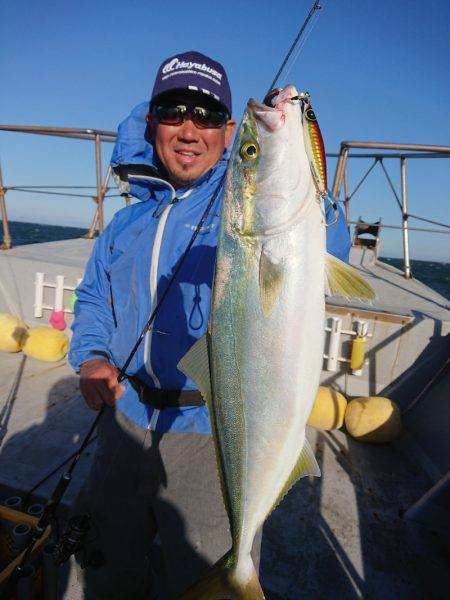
x=203 y=118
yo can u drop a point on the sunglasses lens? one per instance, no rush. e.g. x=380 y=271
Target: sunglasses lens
x=169 y=115
x=210 y=119
x=202 y=117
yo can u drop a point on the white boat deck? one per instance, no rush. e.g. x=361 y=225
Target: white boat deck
x=341 y=536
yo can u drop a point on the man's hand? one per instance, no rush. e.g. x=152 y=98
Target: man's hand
x=98 y=383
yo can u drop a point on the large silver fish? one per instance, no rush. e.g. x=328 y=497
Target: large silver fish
x=259 y=365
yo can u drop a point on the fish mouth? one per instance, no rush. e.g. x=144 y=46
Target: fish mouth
x=272 y=113
x=270 y=117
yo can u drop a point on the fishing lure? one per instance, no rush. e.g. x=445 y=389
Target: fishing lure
x=315 y=150
x=314 y=146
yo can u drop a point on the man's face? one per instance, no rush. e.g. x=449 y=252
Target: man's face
x=185 y=150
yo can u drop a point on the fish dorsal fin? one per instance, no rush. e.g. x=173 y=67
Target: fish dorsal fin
x=343 y=280
x=195 y=364
x=271 y=275
x=306 y=465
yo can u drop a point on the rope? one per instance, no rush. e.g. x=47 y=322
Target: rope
x=362 y=180
x=428 y=221
x=391 y=184
x=37 y=191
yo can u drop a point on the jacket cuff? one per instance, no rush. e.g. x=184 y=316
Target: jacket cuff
x=79 y=358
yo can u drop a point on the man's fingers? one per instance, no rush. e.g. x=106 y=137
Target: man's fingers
x=96 y=392
x=99 y=385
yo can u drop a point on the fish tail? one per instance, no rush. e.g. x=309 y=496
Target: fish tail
x=227 y=580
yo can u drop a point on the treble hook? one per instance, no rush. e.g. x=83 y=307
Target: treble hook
x=303 y=96
x=326 y=196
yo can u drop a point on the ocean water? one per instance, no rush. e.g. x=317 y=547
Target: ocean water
x=434 y=274
x=35 y=233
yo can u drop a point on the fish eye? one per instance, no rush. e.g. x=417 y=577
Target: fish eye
x=310 y=115
x=249 y=151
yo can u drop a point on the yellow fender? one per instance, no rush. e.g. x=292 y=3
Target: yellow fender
x=45 y=343
x=329 y=410
x=373 y=419
x=12 y=331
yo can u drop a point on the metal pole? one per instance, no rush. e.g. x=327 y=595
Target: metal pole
x=60 y=131
x=99 y=182
x=6 y=245
x=393 y=146
x=91 y=233
x=407 y=266
x=346 y=197
x=339 y=173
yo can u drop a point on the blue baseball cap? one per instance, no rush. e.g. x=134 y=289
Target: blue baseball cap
x=193 y=71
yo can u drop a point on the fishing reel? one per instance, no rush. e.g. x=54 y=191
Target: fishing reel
x=72 y=541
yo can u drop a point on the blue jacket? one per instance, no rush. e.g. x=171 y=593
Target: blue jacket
x=130 y=267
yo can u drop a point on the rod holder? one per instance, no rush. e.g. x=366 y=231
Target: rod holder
x=25 y=583
x=334 y=344
x=35 y=510
x=21 y=536
x=14 y=502
x=51 y=571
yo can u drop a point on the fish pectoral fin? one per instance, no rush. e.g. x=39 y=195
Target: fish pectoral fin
x=271 y=276
x=195 y=365
x=343 y=280
x=305 y=465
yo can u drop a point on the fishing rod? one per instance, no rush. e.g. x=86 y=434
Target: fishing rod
x=78 y=525
x=314 y=8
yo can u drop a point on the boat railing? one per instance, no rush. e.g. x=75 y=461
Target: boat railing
x=95 y=136
x=378 y=152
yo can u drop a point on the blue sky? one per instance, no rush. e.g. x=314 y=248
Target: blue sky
x=376 y=70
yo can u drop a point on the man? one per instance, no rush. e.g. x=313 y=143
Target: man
x=154 y=471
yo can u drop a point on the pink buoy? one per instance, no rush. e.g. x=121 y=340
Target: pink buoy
x=57 y=320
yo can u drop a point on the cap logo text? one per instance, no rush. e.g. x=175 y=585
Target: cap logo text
x=176 y=65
